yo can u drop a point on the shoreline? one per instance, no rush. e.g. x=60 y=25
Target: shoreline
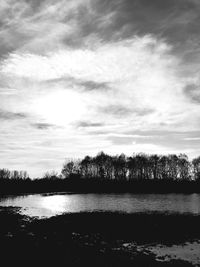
x=95 y=239
x=84 y=186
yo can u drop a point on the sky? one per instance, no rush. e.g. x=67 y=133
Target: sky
x=80 y=77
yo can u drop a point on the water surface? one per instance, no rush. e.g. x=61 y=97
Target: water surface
x=53 y=204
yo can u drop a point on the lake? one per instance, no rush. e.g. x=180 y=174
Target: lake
x=47 y=205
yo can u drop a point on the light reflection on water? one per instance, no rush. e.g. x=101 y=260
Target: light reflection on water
x=49 y=205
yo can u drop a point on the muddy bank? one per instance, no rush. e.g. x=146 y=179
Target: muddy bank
x=95 y=239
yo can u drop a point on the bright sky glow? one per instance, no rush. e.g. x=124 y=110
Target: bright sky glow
x=61 y=107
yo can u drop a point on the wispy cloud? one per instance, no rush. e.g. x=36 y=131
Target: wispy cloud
x=124 y=111
x=8 y=115
x=42 y=125
x=88 y=124
x=91 y=85
x=192 y=91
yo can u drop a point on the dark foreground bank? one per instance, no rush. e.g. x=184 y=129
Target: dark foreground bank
x=27 y=186
x=93 y=239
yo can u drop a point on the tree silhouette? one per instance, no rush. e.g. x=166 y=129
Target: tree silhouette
x=137 y=167
x=196 y=168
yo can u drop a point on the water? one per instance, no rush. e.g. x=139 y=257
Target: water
x=49 y=205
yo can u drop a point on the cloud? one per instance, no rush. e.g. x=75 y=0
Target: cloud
x=82 y=85
x=160 y=141
x=34 y=26
x=42 y=26
x=123 y=111
x=174 y=20
x=8 y=115
x=91 y=85
x=104 y=64
x=192 y=91
x=42 y=125
x=138 y=81
x=88 y=124
x=116 y=110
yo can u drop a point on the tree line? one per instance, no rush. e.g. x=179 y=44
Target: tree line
x=137 y=167
x=13 y=175
x=121 y=168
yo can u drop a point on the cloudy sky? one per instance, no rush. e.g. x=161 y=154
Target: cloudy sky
x=79 y=77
